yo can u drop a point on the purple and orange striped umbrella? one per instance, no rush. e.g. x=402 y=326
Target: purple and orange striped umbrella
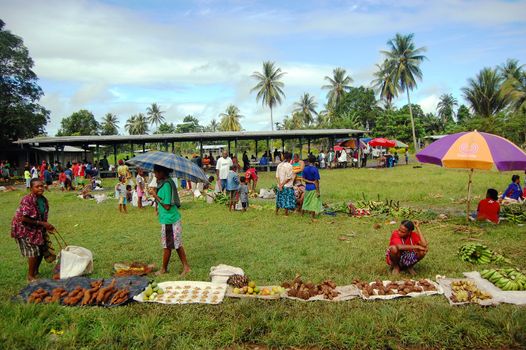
x=474 y=150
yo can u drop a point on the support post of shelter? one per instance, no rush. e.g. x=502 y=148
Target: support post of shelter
x=282 y=146
x=359 y=163
x=173 y=147
x=201 y=148
x=115 y=154
x=301 y=148
x=98 y=154
x=308 y=146
x=235 y=147
x=143 y=148
x=229 y=148
x=256 y=148
x=470 y=182
x=268 y=150
x=131 y=149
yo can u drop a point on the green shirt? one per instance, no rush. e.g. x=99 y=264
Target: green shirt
x=167 y=216
x=41 y=203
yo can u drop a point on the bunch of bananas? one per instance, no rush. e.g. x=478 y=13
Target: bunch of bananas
x=477 y=253
x=466 y=291
x=505 y=279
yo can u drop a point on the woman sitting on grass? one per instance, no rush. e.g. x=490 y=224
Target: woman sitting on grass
x=406 y=247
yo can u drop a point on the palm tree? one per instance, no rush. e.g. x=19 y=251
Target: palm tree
x=155 y=115
x=230 y=119
x=295 y=122
x=484 y=93
x=511 y=68
x=213 y=126
x=269 y=88
x=306 y=107
x=338 y=85
x=384 y=83
x=514 y=90
x=110 y=124
x=404 y=61
x=137 y=124
x=130 y=125
x=445 y=108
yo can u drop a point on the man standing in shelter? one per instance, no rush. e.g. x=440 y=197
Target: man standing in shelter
x=222 y=168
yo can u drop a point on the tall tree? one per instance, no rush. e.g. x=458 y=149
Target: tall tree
x=109 y=125
x=339 y=83
x=79 y=123
x=189 y=124
x=484 y=93
x=20 y=114
x=463 y=114
x=384 y=82
x=213 y=126
x=359 y=102
x=137 y=124
x=230 y=119
x=295 y=122
x=306 y=106
x=511 y=68
x=155 y=115
x=269 y=87
x=404 y=60
x=514 y=91
x=446 y=108
x=165 y=128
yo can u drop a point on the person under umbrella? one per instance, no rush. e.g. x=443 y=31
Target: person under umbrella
x=168 y=203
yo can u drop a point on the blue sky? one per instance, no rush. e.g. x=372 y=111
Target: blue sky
x=196 y=57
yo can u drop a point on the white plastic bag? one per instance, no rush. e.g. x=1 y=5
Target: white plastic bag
x=221 y=273
x=75 y=261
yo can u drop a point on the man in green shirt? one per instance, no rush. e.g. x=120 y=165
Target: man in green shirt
x=169 y=217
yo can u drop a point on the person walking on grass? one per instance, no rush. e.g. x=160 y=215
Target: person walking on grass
x=30 y=227
x=243 y=193
x=27 y=177
x=168 y=203
x=311 y=176
x=406 y=247
x=285 y=180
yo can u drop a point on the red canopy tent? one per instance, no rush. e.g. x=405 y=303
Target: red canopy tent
x=381 y=142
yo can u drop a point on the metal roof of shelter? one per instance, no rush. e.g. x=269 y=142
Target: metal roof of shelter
x=194 y=136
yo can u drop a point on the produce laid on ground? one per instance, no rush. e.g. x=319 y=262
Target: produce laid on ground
x=133 y=269
x=515 y=213
x=393 y=289
x=241 y=286
x=183 y=292
x=307 y=290
x=82 y=291
x=477 y=253
x=506 y=279
x=466 y=291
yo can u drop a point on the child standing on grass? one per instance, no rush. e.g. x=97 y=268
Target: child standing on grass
x=232 y=187
x=129 y=194
x=62 y=179
x=243 y=193
x=27 y=177
x=120 y=191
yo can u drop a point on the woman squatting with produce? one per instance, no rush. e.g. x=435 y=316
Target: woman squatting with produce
x=167 y=200
x=29 y=227
x=406 y=247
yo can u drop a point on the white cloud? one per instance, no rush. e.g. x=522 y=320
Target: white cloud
x=429 y=103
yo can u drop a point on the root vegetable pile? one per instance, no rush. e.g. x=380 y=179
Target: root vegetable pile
x=297 y=288
x=405 y=287
x=96 y=295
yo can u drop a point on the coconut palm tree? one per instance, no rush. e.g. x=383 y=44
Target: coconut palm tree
x=306 y=107
x=269 y=88
x=137 y=124
x=514 y=90
x=404 y=63
x=484 y=93
x=445 y=108
x=512 y=68
x=338 y=85
x=155 y=115
x=384 y=83
x=213 y=126
x=110 y=124
x=230 y=119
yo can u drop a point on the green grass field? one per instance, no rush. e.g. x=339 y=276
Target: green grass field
x=272 y=249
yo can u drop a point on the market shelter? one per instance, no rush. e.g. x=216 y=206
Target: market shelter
x=231 y=138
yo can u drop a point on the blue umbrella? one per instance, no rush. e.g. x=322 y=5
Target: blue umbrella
x=182 y=167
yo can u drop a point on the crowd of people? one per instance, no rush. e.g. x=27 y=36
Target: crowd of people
x=297 y=189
